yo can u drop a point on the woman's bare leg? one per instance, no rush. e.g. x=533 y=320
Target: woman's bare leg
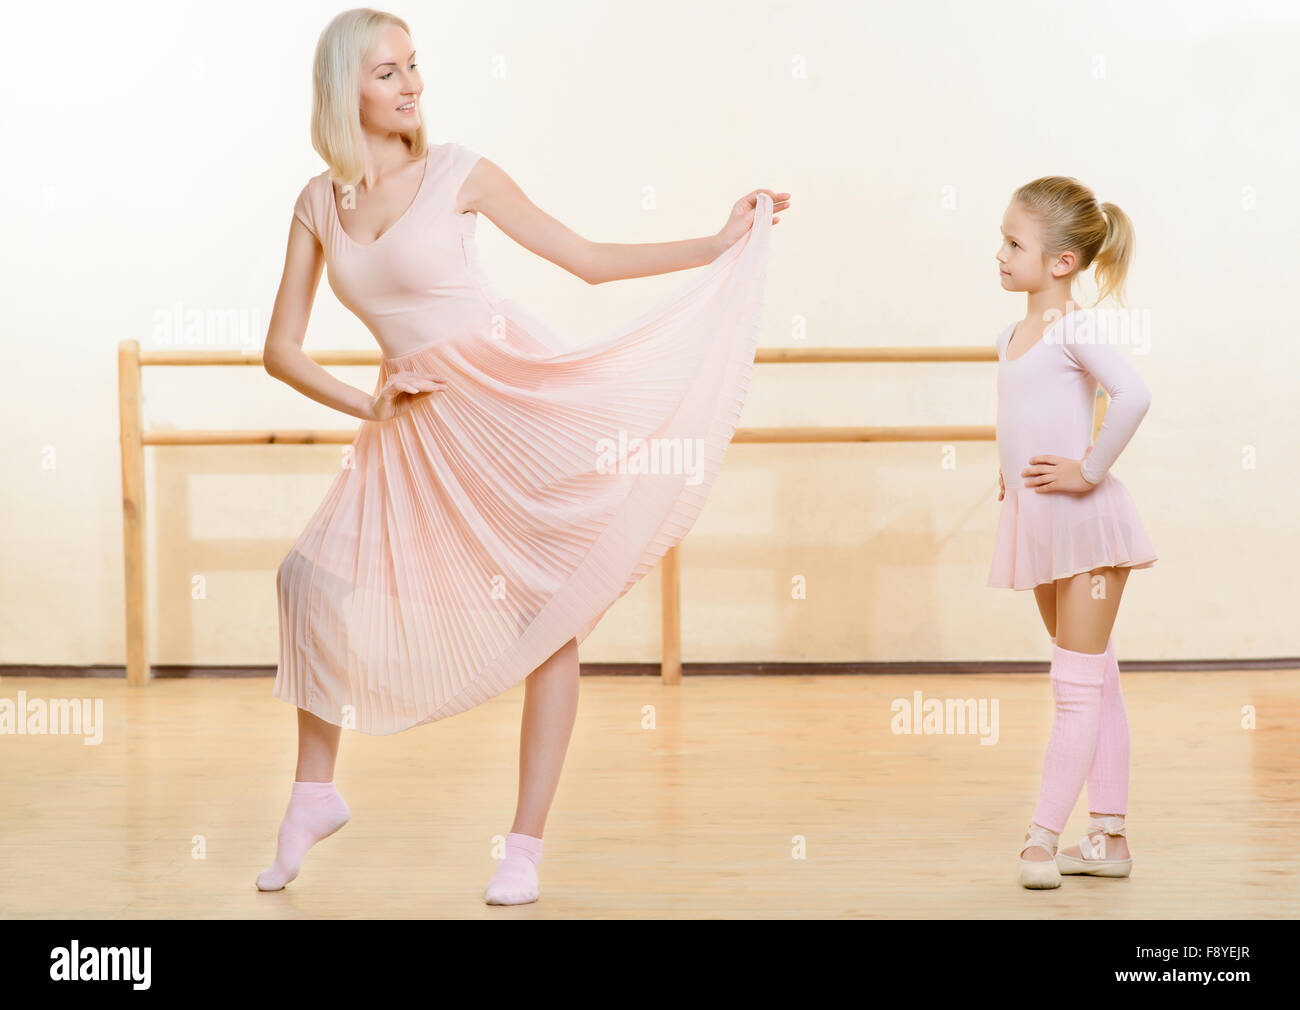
x=316 y=810
x=550 y=710
x=318 y=748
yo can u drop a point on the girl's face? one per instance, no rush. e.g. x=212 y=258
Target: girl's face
x=390 y=85
x=1022 y=265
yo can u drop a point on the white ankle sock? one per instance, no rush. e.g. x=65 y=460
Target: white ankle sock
x=515 y=880
x=316 y=810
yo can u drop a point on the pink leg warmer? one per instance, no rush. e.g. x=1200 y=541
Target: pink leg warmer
x=1077 y=679
x=1108 y=780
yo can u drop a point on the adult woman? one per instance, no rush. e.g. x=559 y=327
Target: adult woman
x=497 y=499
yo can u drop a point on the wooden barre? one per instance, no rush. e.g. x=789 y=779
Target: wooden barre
x=240 y=358
x=752 y=436
x=894 y=433
x=764 y=356
x=251 y=437
x=878 y=355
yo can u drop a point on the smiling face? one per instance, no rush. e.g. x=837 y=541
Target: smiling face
x=1022 y=264
x=391 y=85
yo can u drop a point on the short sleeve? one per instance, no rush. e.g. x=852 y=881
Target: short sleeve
x=303 y=209
x=463 y=160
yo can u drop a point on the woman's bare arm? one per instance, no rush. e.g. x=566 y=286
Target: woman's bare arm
x=490 y=191
x=283 y=356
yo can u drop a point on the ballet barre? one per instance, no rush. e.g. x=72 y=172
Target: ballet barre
x=134 y=437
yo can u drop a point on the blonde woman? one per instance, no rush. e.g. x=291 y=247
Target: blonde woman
x=1069 y=529
x=506 y=485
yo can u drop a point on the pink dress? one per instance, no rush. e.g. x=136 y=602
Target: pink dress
x=470 y=538
x=1046 y=398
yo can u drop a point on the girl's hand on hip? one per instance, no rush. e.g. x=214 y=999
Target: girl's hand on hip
x=1002 y=485
x=402 y=392
x=1047 y=473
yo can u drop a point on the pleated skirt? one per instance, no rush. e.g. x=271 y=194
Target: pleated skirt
x=469 y=539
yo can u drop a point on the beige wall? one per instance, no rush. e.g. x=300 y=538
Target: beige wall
x=160 y=158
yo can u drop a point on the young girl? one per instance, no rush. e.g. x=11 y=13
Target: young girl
x=1068 y=529
x=479 y=529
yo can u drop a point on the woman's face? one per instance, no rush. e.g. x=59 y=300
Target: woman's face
x=390 y=84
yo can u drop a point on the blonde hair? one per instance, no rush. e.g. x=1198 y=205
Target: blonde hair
x=1072 y=218
x=336 y=85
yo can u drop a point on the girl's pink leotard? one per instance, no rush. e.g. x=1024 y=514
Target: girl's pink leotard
x=469 y=539
x=1045 y=406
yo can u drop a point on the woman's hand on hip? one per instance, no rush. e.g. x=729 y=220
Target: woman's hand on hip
x=402 y=392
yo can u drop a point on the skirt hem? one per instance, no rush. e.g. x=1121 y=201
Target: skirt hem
x=1068 y=575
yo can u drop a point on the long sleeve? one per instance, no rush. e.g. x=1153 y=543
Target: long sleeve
x=1129 y=400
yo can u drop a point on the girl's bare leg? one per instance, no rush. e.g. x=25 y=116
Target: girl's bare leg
x=1093 y=620
x=1086 y=605
x=1045 y=597
x=1083 y=609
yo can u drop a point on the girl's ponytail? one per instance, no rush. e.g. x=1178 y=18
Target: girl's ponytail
x=1116 y=253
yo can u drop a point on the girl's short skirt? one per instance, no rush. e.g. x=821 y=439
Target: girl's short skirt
x=1044 y=536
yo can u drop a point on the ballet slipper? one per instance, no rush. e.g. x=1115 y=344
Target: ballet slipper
x=1092 y=859
x=1040 y=874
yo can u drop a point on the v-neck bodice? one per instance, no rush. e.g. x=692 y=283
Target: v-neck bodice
x=419 y=189
x=421 y=280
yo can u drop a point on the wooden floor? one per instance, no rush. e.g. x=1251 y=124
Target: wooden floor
x=698 y=817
